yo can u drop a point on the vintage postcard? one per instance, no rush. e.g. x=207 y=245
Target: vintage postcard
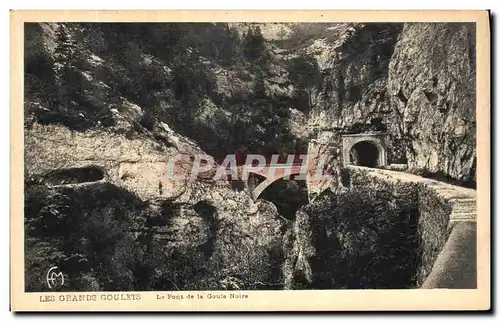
x=250 y=161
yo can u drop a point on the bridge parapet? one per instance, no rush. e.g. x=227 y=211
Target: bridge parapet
x=447 y=224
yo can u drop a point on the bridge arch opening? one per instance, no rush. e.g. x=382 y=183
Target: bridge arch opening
x=287 y=195
x=365 y=153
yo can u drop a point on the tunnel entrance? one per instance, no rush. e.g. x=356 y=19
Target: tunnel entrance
x=74 y=175
x=365 y=149
x=364 y=154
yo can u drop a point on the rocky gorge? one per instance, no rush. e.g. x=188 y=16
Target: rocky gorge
x=107 y=105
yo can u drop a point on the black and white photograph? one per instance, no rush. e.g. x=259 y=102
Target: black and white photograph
x=229 y=157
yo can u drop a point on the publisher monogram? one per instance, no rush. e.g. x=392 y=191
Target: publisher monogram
x=54 y=279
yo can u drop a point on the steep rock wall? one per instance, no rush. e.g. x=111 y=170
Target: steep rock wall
x=432 y=86
x=414 y=81
x=352 y=95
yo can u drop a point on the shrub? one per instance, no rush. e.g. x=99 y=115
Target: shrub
x=364 y=238
x=148 y=121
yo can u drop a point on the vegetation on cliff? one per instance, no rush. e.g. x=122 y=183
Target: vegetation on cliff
x=362 y=238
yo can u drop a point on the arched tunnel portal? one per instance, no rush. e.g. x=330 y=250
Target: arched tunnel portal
x=367 y=150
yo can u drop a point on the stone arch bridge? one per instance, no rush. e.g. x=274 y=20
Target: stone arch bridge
x=274 y=172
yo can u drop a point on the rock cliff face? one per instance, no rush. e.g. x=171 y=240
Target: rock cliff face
x=99 y=145
x=415 y=82
x=224 y=231
x=350 y=96
x=432 y=88
x=354 y=65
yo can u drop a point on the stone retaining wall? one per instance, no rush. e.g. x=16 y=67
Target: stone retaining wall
x=447 y=226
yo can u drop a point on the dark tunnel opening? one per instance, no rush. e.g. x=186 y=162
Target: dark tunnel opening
x=364 y=154
x=74 y=175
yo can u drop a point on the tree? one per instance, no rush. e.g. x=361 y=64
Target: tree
x=254 y=44
x=65 y=58
x=65 y=50
x=260 y=89
x=258 y=39
x=38 y=67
